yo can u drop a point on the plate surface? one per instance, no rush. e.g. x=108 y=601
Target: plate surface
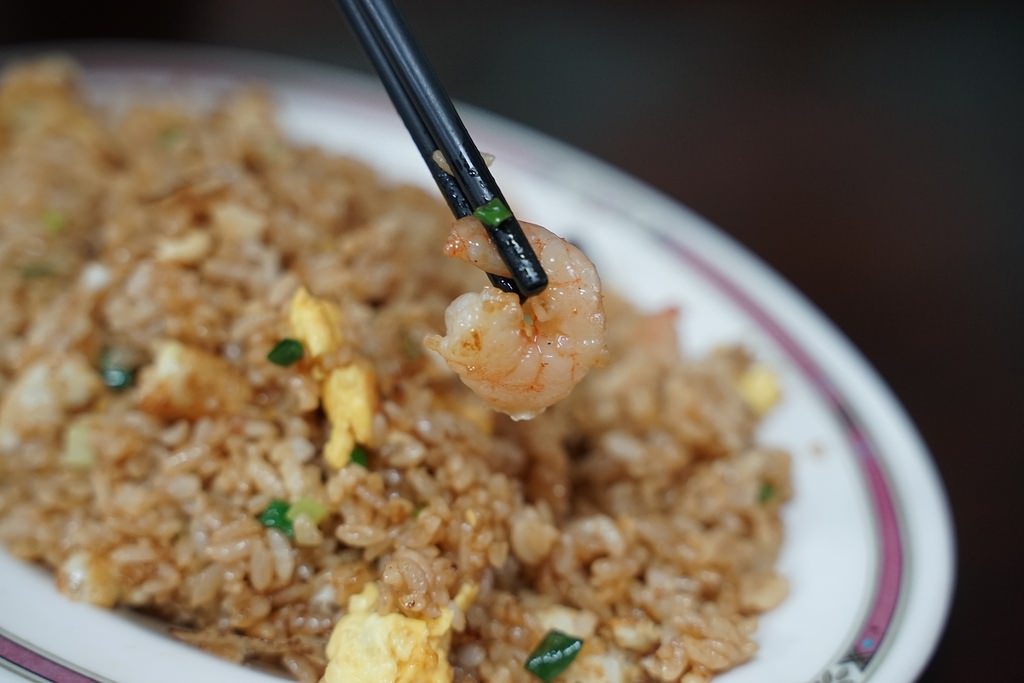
x=869 y=546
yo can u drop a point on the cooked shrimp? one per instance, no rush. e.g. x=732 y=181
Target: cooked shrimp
x=522 y=358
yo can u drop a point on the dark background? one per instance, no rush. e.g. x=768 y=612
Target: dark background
x=874 y=155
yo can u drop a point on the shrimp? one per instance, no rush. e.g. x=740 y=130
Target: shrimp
x=523 y=358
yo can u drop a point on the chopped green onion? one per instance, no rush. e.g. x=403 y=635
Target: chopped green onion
x=554 y=655
x=275 y=516
x=418 y=509
x=766 y=492
x=170 y=136
x=55 y=221
x=492 y=213
x=33 y=271
x=308 y=507
x=115 y=369
x=286 y=352
x=360 y=457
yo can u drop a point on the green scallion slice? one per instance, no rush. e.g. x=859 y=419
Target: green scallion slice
x=492 y=213
x=55 y=221
x=275 y=516
x=308 y=507
x=169 y=137
x=554 y=655
x=766 y=492
x=117 y=373
x=34 y=271
x=286 y=352
x=360 y=457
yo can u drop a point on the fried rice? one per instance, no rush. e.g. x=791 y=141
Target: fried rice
x=640 y=515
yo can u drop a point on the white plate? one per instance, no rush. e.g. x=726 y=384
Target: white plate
x=868 y=547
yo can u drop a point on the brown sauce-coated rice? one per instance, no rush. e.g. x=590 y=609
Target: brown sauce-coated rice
x=641 y=510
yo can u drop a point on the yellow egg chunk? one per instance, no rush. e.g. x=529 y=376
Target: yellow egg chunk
x=315 y=322
x=759 y=388
x=466 y=595
x=350 y=400
x=367 y=647
x=349 y=393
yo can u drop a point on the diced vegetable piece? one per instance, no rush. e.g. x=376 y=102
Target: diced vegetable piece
x=170 y=136
x=766 y=492
x=286 y=352
x=55 y=221
x=33 y=271
x=553 y=656
x=492 y=213
x=360 y=457
x=275 y=516
x=78 y=451
x=117 y=371
x=307 y=507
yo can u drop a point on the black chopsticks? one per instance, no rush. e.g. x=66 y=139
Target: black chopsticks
x=433 y=123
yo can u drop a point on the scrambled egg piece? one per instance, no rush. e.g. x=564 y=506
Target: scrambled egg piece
x=367 y=647
x=43 y=395
x=759 y=388
x=466 y=596
x=316 y=322
x=349 y=392
x=350 y=400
